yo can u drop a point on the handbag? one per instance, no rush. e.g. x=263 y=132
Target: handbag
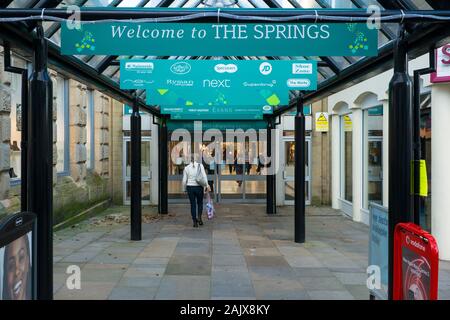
x=209 y=206
x=199 y=178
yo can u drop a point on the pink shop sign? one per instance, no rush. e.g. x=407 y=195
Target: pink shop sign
x=442 y=73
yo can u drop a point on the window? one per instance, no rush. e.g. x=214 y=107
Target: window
x=425 y=145
x=16 y=124
x=373 y=142
x=62 y=125
x=347 y=156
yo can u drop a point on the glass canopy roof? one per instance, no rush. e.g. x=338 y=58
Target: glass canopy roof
x=328 y=67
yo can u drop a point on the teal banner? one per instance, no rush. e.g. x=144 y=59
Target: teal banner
x=206 y=39
x=217 y=125
x=213 y=88
x=214 y=113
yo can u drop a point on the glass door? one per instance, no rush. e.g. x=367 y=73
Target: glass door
x=231 y=173
x=146 y=173
x=176 y=168
x=176 y=160
x=374 y=170
x=289 y=171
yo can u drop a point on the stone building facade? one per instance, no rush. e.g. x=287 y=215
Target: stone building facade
x=82 y=157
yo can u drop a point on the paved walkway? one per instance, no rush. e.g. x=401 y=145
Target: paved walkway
x=241 y=254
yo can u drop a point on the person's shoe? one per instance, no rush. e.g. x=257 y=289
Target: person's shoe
x=200 y=222
x=195 y=224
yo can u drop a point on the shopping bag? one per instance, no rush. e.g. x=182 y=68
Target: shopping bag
x=209 y=206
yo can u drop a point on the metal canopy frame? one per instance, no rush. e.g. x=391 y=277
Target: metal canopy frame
x=103 y=71
x=90 y=70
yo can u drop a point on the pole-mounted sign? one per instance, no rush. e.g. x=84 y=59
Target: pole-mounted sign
x=218 y=86
x=216 y=39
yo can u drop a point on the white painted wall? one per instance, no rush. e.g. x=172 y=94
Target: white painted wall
x=354 y=98
x=440 y=168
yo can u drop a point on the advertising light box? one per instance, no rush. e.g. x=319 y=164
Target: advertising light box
x=17 y=257
x=416 y=263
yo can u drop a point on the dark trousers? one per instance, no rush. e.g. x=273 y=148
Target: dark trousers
x=195 y=194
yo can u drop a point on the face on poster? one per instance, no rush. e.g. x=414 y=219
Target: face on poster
x=16 y=269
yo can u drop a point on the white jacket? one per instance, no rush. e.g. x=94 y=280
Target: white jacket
x=190 y=173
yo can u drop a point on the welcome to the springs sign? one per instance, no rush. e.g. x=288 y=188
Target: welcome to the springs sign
x=219 y=39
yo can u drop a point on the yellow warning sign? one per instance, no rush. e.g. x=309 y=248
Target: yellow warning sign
x=322 y=121
x=348 y=124
x=423 y=191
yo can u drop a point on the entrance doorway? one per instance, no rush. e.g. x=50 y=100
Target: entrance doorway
x=289 y=171
x=239 y=180
x=146 y=173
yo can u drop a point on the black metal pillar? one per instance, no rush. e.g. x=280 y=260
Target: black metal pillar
x=299 y=183
x=40 y=164
x=271 y=207
x=24 y=144
x=136 y=186
x=416 y=138
x=163 y=167
x=417 y=149
x=24 y=126
x=400 y=146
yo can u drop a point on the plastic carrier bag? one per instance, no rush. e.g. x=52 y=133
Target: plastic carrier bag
x=209 y=206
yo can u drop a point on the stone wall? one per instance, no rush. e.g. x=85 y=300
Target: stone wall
x=320 y=160
x=81 y=188
x=116 y=136
x=78 y=99
x=102 y=107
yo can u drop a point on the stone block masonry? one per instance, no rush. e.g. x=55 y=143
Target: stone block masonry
x=77 y=123
x=5 y=130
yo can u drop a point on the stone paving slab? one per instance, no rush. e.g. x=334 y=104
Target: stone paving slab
x=133 y=293
x=280 y=290
x=146 y=281
x=241 y=254
x=89 y=291
x=184 y=287
x=189 y=265
x=228 y=260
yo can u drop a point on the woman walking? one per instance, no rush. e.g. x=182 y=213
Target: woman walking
x=195 y=182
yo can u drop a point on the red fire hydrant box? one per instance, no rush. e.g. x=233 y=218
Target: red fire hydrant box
x=416 y=263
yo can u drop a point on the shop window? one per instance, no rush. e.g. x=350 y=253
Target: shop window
x=16 y=125
x=347 y=157
x=425 y=144
x=373 y=142
x=62 y=125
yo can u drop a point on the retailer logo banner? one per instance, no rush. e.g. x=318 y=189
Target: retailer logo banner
x=218 y=88
x=202 y=39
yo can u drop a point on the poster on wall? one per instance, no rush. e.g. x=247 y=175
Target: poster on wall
x=348 y=124
x=322 y=121
x=416 y=263
x=17 y=265
x=442 y=73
